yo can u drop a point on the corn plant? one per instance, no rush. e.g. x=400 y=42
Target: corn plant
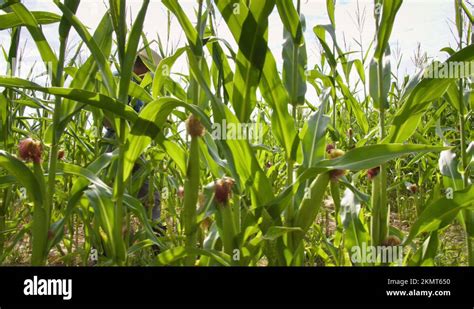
x=326 y=175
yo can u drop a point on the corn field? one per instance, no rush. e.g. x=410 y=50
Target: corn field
x=248 y=157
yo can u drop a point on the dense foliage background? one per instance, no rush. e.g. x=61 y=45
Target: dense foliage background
x=381 y=160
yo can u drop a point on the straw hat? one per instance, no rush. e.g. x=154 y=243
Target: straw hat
x=145 y=56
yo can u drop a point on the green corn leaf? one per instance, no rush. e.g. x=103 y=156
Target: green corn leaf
x=331 y=8
x=294 y=65
x=452 y=96
x=103 y=207
x=11 y=20
x=442 y=212
x=65 y=26
x=175 y=254
x=417 y=102
x=163 y=72
x=102 y=195
x=238 y=152
x=131 y=52
x=333 y=59
x=118 y=12
x=226 y=227
x=23 y=175
x=45 y=50
x=149 y=124
x=249 y=28
x=95 y=49
x=448 y=166
x=175 y=89
x=18 y=237
x=360 y=69
x=320 y=32
x=374 y=79
x=426 y=254
x=84 y=77
x=314 y=135
x=356 y=233
x=310 y=206
x=354 y=105
x=374 y=155
x=6 y=181
x=291 y=20
x=35 y=188
x=275 y=94
x=80 y=185
x=468 y=13
x=176 y=153
x=222 y=64
x=188 y=28
x=86 y=97
x=250 y=57
x=277 y=231
x=390 y=9
x=138 y=92
x=271 y=86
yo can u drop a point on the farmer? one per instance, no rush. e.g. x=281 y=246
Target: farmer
x=140 y=69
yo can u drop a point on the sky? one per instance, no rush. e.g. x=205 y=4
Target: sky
x=428 y=23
